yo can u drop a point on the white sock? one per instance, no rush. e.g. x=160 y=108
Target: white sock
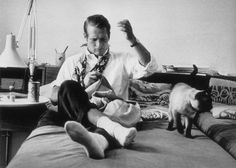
x=122 y=134
x=95 y=143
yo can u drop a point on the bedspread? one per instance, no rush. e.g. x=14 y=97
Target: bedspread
x=154 y=147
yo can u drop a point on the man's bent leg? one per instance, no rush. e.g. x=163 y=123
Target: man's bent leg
x=122 y=134
x=73 y=104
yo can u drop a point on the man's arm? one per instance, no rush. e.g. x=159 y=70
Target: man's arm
x=89 y=79
x=142 y=52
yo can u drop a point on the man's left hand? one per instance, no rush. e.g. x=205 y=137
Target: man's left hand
x=126 y=27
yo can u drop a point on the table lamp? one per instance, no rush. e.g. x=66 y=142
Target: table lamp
x=10 y=56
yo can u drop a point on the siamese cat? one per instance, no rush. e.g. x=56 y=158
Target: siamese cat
x=187 y=101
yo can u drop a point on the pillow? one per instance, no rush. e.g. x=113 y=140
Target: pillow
x=223 y=91
x=154 y=112
x=125 y=113
x=152 y=93
x=148 y=87
x=222 y=111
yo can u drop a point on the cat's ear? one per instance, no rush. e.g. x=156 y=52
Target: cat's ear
x=202 y=93
x=197 y=95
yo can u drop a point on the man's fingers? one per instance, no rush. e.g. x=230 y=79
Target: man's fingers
x=125 y=27
x=123 y=21
x=95 y=75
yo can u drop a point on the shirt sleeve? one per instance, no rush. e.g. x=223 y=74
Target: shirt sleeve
x=137 y=70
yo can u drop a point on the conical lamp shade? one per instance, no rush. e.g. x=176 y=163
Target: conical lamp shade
x=10 y=56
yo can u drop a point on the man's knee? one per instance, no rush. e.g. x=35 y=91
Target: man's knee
x=68 y=84
x=73 y=94
x=70 y=87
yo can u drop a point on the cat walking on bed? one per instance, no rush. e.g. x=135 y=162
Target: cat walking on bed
x=187 y=101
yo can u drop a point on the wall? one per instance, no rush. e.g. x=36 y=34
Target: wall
x=179 y=32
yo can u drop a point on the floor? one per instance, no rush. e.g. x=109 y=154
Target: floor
x=15 y=141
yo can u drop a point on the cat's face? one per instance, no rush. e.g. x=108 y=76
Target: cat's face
x=204 y=100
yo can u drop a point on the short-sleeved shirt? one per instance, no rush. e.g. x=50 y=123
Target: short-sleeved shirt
x=120 y=68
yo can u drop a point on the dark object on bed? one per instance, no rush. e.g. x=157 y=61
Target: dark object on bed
x=200 y=82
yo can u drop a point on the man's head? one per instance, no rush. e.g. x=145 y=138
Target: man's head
x=97 y=34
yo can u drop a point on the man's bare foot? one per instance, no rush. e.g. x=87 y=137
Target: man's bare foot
x=91 y=141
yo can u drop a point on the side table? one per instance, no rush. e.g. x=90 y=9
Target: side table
x=20 y=115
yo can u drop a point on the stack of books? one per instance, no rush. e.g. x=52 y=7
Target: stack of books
x=188 y=70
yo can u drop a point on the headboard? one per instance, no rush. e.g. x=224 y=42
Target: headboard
x=198 y=81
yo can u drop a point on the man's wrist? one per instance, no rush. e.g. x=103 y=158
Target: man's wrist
x=134 y=43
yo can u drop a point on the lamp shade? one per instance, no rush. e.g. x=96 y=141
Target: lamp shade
x=10 y=56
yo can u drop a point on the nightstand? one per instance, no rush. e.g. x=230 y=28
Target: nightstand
x=18 y=116
x=49 y=72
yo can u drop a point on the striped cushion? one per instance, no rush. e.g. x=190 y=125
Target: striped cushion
x=223 y=91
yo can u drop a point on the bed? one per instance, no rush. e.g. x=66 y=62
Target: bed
x=154 y=146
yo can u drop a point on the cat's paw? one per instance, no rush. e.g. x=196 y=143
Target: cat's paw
x=181 y=130
x=170 y=126
x=170 y=129
x=189 y=136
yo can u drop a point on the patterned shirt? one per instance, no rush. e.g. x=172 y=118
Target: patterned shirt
x=120 y=68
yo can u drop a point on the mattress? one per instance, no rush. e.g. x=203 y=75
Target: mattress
x=154 y=147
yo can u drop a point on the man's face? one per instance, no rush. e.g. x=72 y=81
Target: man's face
x=97 y=40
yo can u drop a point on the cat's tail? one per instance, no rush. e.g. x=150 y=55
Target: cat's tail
x=195 y=71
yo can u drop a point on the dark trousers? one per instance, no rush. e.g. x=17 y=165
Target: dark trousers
x=73 y=105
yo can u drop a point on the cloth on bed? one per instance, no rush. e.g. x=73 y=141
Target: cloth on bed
x=154 y=147
x=222 y=131
x=223 y=111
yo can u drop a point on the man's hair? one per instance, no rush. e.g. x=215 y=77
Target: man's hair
x=98 y=21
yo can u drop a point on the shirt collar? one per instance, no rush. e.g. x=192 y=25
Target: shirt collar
x=87 y=52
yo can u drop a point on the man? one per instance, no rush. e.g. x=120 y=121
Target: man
x=88 y=67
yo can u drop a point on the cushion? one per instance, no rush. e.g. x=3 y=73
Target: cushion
x=152 y=97
x=222 y=131
x=223 y=91
x=125 y=113
x=224 y=111
x=154 y=112
x=148 y=87
x=153 y=93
